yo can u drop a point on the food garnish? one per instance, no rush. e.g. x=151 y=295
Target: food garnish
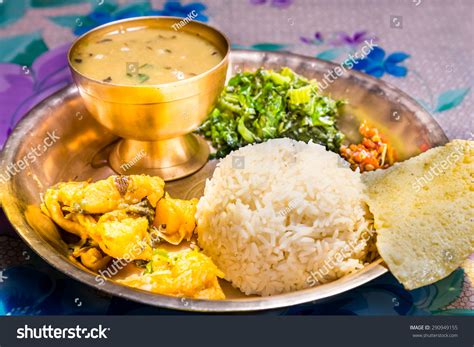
x=423 y=210
x=372 y=153
x=262 y=105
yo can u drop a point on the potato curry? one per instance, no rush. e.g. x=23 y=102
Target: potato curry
x=131 y=218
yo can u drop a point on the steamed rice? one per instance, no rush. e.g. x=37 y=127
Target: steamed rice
x=278 y=215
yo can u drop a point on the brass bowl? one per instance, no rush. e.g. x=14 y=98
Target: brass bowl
x=155 y=121
x=77 y=156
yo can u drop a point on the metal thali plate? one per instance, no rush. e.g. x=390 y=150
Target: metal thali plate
x=80 y=153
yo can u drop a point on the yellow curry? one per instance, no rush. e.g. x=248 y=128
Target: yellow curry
x=128 y=217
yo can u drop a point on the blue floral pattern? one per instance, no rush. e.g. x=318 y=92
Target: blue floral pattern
x=446 y=100
x=377 y=64
x=110 y=11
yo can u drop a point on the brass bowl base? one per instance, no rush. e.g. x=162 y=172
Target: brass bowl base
x=171 y=159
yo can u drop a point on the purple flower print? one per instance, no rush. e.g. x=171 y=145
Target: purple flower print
x=274 y=3
x=344 y=39
x=316 y=40
x=21 y=88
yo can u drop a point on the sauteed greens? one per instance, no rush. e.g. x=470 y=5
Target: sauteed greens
x=262 y=105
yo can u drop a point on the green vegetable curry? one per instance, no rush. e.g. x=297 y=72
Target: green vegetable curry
x=262 y=105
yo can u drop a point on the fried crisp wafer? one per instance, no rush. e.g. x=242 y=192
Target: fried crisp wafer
x=424 y=213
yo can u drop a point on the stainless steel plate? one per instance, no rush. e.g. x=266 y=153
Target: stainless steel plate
x=80 y=154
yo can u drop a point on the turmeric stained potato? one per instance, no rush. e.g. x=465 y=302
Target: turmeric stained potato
x=127 y=217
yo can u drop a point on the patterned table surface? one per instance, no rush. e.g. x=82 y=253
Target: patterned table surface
x=425 y=47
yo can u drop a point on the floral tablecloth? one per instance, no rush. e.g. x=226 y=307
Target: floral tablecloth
x=424 y=47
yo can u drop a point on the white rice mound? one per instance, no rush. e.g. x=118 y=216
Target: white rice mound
x=283 y=215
